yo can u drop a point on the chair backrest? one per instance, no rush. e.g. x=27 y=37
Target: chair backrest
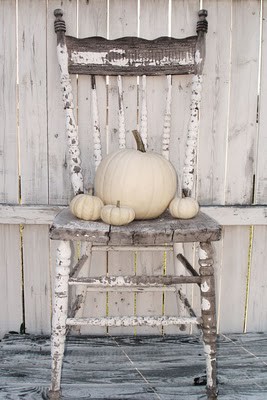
x=131 y=56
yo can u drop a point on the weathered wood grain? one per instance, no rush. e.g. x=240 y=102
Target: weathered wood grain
x=164 y=229
x=32 y=102
x=37 y=279
x=140 y=373
x=242 y=127
x=260 y=174
x=214 y=105
x=234 y=278
x=11 y=310
x=9 y=163
x=256 y=318
x=131 y=56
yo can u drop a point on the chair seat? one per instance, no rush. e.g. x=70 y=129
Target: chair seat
x=163 y=230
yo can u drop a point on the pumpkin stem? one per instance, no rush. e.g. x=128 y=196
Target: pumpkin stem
x=139 y=141
x=118 y=204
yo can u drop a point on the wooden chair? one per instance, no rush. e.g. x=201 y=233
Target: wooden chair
x=137 y=57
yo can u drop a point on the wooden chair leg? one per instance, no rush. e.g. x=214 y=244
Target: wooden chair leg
x=60 y=310
x=208 y=310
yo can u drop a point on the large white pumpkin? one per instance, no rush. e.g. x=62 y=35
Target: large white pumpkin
x=144 y=181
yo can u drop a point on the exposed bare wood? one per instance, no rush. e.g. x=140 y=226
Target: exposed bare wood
x=208 y=310
x=131 y=56
x=153 y=232
x=76 y=269
x=187 y=265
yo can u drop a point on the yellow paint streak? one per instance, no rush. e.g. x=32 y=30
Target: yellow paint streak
x=135 y=294
x=164 y=273
x=251 y=232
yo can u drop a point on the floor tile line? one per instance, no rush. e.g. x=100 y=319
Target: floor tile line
x=136 y=369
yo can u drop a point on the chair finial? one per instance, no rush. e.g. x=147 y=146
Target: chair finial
x=60 y=25
x=202 y=24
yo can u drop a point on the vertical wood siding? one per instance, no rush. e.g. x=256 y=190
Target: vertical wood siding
x=231 y=160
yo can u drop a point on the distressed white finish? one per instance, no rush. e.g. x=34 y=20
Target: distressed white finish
x=209 y=359
x=205 y=305
x=143 y=123
x=133 y=321
x=192 y=136
x=167 y=121
x=122 y=138
x=60 y=309
x=96 y=129
x=102 y=58
x=204 y=287
x=71 y=127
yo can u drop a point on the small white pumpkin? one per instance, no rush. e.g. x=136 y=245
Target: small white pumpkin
x=184 y=208
x=87 y=207
x=117 y=215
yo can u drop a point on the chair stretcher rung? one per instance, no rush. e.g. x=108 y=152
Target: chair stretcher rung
x=131 y=281
x=132 y=248
x=105 y=289
x=133 y=321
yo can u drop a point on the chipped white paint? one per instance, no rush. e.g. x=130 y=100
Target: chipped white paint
x=129 y=289
x=122 y=138
x=88 y=57
x=167 y=121
x=209 y=359
x=120 y=58
x=204 y=287
x=143 y=124
x=71 y=127
x=132 y=282
x=192 y=136
x=96 y=129
x=198 y=59
x=205 y=304
x=133 y=321
x=60 y=309
x=203 y=255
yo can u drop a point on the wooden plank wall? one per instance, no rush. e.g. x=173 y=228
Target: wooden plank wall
x=231 y=169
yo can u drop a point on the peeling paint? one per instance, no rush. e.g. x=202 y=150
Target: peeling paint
x=121 y=57
x=207 y=350
x=198 y=59
x=71 y=127
x=132 y=321
x=204 y=287
x=205 y=305
x=192 y=135
x=203 y=255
